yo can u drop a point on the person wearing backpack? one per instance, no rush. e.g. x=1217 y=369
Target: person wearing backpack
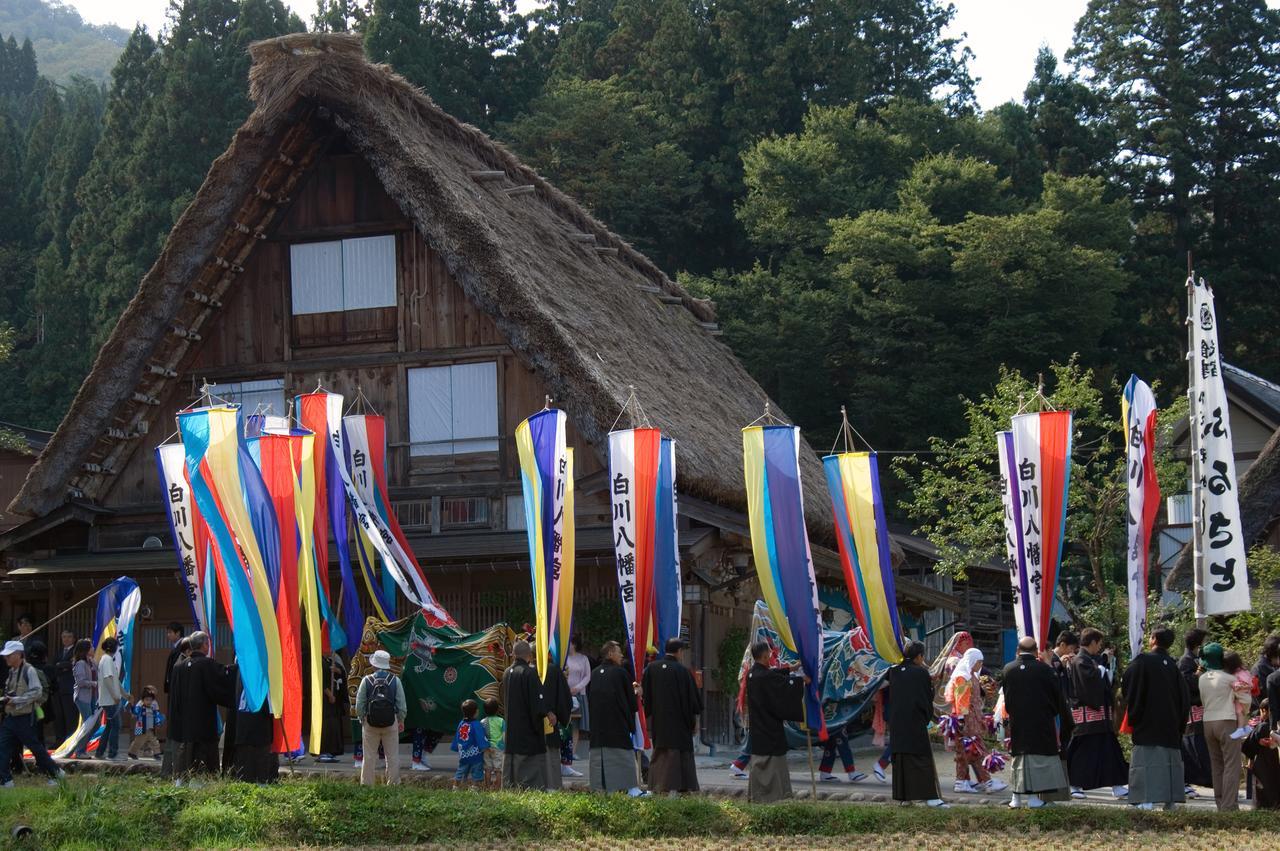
x=22 y=694
x=381 y=708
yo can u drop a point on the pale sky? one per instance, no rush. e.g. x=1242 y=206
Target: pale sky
x=1003 y=34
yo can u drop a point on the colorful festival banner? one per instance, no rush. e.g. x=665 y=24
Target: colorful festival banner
x=780 y=544
x=546 y=473
x=225 y=483
x=366 y=454
x=1138 y=412
x=853 y=480
x=117 y=612
x=275 y=461
x=1041 y=464
x=315 y=612
x=312 y=411
x=642 y=490
x=184 y=520
x=1014 y=554
x=1222 y=580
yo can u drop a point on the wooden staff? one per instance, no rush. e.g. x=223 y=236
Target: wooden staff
x=808 y=738
x=69 y=608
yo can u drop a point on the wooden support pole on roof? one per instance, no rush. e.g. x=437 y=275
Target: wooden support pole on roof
x=582 y=237
x=526 y=189
x=607 y=250
x=486 y=176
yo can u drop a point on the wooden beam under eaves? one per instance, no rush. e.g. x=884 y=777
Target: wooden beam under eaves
x=486 y=176
x=527 y=189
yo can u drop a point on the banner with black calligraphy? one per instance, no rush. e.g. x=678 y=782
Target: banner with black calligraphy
x=188 y=538
x=1222 y=581
x=1138 y=412
x=1042 y=467
x=1010 y=497
x=546 y=474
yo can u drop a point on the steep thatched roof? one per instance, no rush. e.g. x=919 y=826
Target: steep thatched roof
x=587 y=311
x=1259 y=507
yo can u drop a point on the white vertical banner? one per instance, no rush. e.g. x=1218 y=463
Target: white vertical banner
x=1222 y=581
x=1139 y=414
x=621 y=485
x=1013 y=532
x=172 y=460
x=1025 y=469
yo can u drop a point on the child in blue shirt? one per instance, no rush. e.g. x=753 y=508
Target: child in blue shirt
x=471 y=743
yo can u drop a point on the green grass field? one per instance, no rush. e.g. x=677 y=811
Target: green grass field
x=129 y=812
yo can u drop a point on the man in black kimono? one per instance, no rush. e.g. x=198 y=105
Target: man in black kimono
x=173 y=633
x=1094 y=757
x=611 y=696
x=672 y=706
x=198 y=687
x=525 y=764
x=1195 y=751
x=1039 y=722
x=555 y=693
x=915 y=777
x=773 y=696
x=1158 y=701
x=1264 y=763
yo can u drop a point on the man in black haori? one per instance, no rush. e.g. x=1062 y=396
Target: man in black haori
x=1157 y=701
x=525 y=763
x=915 y=777
x=773 y=697
x=1039 y=722
x=672 y=706
x=199 y=685
x=1196 y=770
x=611 y=694
x=1094 y=757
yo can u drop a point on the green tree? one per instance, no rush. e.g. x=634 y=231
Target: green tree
x=1190 y=89
x=954 y=490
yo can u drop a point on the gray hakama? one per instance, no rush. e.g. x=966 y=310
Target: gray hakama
x=1155 y=775
x=915 y=777
x=555 y=778
x=612 y=770
x=1040 y=775
x=524 y=771
x=770 y=779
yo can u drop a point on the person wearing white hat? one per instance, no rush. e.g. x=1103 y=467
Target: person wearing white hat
x=381 y=708
x=22 y=694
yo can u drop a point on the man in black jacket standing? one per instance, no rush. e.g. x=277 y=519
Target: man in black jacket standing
x=611 y=694
x=773 y=696
x=1195 y=751
x=200 y=684
x=915 y=777
x=555 y=693
x=173 y=634
x=525 y=764
x=1039 y=722
x=1158 y=701
x=672 y=706
x=66 y=717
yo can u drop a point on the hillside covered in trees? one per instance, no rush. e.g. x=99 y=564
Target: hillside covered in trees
x=66 y=44
x=819 y=168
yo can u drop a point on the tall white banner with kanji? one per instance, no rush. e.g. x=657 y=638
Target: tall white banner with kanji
x=1222 y=581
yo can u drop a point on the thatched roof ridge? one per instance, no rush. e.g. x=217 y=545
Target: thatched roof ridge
x=592 y=319
x=1259 y=495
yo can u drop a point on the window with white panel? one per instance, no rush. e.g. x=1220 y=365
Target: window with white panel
x=453 y=410
x=260 y=396
x=345 y=274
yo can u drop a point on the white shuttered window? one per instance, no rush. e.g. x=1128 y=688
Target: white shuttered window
x=453 y=409
x=347 y=274
x=264 y=395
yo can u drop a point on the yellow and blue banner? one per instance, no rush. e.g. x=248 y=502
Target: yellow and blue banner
x=780 y=545
x=853 y=480
x=117 y=611
x=546 y=474
x=237 y=508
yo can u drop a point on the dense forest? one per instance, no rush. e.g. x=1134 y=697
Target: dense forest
x=66 y=45
x=818 y=167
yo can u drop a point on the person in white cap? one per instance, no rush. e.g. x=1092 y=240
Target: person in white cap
x=381 y=708
x=22 y=694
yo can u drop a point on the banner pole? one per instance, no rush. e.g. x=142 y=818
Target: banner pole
x=69 y=608
x=1197 y=555
x=808 y=738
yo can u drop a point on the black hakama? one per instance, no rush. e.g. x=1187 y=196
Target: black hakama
x=915 y=777
x=1096 y=761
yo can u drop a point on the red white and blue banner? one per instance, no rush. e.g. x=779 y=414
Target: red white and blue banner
x=646 y=541
x=1039 y=472
x=1222 y=579
x=313 y=415
x=853 y=480
x=117 y=612
x=780 y=545
x=546 y=474
x=1138 y=412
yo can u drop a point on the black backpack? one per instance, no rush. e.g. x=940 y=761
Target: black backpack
x=382 y=700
